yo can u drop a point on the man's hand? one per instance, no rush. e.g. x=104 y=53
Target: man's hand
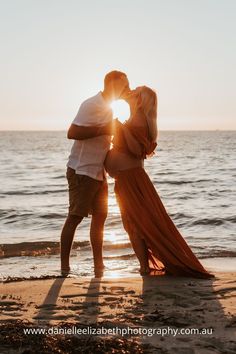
x=79 y=132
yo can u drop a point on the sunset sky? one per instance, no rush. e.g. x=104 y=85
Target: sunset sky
x=54 y=54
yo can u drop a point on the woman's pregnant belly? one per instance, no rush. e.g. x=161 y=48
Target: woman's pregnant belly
x=117 y=161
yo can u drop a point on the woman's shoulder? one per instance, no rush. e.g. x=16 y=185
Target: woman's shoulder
x=138 y=119
x=136 y=125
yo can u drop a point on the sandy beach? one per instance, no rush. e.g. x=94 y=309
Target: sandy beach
x=170 y=306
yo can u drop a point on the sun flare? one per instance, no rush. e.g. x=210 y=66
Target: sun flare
x=120 y=110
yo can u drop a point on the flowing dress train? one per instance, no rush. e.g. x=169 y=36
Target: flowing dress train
x=144 y=213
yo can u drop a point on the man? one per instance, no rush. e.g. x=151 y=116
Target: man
x=88 y=191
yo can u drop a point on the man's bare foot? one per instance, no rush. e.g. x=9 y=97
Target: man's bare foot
x=99 y=270
x=65 y=271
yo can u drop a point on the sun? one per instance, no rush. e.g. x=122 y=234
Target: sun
x=120 y=110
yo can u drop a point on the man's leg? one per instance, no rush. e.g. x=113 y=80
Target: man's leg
x=99 y=215
x=96 y=238
x=67 y=237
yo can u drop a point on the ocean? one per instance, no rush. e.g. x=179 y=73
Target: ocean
x=194 y=173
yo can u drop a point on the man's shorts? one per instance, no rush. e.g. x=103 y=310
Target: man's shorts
x=86 y=195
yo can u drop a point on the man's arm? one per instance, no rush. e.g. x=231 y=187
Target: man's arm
x=79 y=132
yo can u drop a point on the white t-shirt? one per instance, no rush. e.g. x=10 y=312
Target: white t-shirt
x=87 y=156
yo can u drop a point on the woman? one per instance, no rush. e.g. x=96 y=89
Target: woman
x=155 y=239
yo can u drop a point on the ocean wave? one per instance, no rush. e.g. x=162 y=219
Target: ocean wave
x=29 y=249
x=214 y=221
x=59 y=177
x=182 y=181
x=217 y=253
x=180 y=216
x=26 y=192
x=52 y=216
x=34 y=191
x=42 y=248
x=9 y=215
x=48 y=248
x=10 y=218
x=166 y=173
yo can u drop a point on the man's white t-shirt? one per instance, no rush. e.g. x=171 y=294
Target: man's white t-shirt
x=87 y=156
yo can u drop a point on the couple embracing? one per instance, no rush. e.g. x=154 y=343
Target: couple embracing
x=157 y=243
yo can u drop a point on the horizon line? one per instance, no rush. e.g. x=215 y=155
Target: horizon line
x=160 y=130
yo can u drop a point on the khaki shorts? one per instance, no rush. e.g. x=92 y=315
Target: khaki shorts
x=86 y=195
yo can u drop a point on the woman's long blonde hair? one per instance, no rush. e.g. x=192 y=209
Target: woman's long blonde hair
x=148 y=104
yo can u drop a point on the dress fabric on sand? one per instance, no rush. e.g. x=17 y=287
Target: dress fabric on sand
x=144 y=213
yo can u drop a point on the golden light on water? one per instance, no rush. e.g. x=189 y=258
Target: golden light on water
x=120 y=110
x=111 y=236
x=112 y=204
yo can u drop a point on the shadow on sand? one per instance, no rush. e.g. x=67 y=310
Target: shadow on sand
x=187 y=314
x=48 y=309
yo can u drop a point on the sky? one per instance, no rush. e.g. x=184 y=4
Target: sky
x=54 y=54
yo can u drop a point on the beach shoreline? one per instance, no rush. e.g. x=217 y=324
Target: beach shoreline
x=158 y=302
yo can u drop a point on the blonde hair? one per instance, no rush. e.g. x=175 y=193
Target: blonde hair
x=148 y=104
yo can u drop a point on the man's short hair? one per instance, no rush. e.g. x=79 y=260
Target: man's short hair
x=112 y=76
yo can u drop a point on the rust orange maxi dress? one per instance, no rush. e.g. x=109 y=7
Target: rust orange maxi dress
x=142 y=209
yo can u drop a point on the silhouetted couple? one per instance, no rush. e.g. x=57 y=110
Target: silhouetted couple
x=156 y=241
